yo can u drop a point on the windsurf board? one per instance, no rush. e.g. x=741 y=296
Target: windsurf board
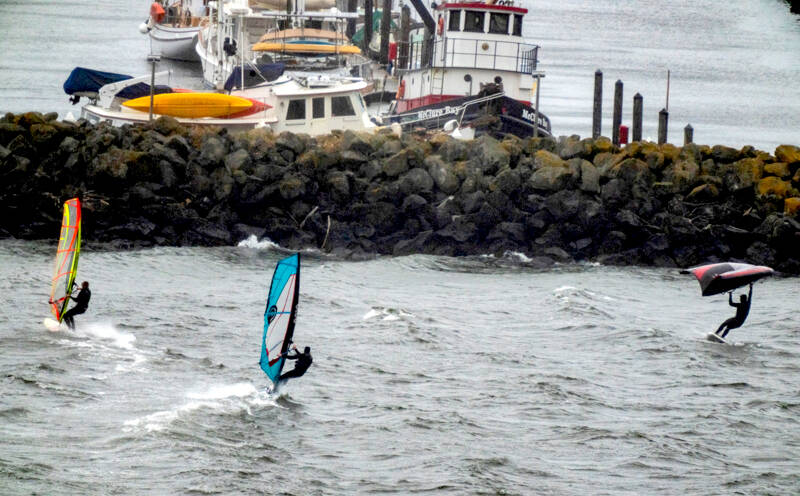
x=714 y=338
x=52 y=325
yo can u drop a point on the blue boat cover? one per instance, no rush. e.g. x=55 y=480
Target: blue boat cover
x=142 y=89
x=254 y=75
x=82 y=80
x=89 y=80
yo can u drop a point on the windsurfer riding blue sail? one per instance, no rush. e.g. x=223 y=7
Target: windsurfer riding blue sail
x=279 y=322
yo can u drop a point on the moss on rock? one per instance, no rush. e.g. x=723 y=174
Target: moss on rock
x=788 y=153
x=773 y=186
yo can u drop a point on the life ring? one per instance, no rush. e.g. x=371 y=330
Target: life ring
x=440 y=29
x=401 y=90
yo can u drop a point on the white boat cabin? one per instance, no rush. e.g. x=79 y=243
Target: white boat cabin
x=315 y=105
x=474 y=43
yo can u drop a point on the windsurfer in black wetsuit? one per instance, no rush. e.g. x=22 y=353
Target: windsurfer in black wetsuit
x=742 y=309
x=303 y=363
x=81 y=304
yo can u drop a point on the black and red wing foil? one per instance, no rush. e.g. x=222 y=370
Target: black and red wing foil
x=723 y=277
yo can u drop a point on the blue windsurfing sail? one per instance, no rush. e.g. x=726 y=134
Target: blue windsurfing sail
x=279 y=316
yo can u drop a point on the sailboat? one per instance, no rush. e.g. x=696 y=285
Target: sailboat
x=65 y=267
x=280 y=316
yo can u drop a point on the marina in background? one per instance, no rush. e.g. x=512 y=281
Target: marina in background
x=726 y=100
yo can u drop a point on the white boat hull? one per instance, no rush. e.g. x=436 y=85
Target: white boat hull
x=175 y=43
x=94 y=113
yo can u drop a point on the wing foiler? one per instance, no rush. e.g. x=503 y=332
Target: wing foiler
x=66 y=264
x=279 y=316
x=723 y=277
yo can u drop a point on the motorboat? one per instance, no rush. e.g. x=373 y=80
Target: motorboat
x=173 y=27
x=313 y=105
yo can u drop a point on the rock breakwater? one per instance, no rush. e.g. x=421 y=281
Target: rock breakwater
x=554 y=200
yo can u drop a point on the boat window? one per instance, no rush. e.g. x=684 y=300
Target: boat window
x=498 y=23
x=517 y=25
x=473 y=21
x=297 y=110
x=455 y=21
x=318 y=108
x=341 y=105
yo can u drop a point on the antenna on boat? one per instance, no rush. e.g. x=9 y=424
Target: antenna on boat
x=242 y=48
x=152 y=58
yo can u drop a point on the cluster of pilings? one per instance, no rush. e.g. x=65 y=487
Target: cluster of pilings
x=620 y=138
x=403 y=34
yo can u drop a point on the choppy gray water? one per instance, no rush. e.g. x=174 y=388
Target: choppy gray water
x=431 y=375
x=734 y=65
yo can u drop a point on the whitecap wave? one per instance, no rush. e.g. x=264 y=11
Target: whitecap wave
x=253 y=242
x=108 y=332
x=239 y=390
x=229 y=398
x=371 y=314
x=387 y=314
x=518 y=256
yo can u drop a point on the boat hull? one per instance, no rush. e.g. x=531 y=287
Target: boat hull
x=175 y=43
x=498 y=116
x=94 y=113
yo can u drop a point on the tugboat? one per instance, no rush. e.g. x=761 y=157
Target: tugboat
x=475 y=73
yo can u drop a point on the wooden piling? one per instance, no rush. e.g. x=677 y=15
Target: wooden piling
x=427 y=48
x=688 y=134
x=386 y=22
x=352 y=6
x=405 y=35
x=598 y=104
x=617 y=119
x=367 y=26
x=663 y=119
x=637 y=118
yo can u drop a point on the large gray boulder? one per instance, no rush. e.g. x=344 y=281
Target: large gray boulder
x=417 y=181
x=489 y=155
x=442 y=174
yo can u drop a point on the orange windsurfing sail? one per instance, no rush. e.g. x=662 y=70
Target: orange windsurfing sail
x=66 y=265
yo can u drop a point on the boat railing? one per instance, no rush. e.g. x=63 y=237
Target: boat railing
x=472 y=53
x=107 y=92
x=325 y=80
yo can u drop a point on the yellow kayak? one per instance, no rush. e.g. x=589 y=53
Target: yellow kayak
x=310 y=48
x=192 y=105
